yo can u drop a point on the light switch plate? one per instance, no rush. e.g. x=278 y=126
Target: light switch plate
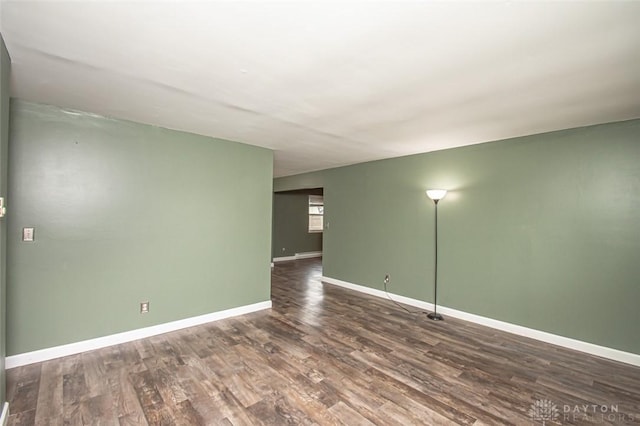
x=28 y=234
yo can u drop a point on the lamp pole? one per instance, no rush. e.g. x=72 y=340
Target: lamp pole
x=436 y=195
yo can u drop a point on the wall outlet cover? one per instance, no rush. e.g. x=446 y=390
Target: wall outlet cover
x=28 y=234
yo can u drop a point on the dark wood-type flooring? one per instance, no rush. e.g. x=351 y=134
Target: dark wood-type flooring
x=325 y=355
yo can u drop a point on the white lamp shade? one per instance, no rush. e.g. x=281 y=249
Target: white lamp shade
x=436 y=194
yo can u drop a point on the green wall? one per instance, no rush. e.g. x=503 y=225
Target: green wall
x=5 y=65
x=124 y=213
x=291 y=224
x=302 y=181
x=541 y=231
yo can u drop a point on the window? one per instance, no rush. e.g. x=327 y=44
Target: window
x=316 y=212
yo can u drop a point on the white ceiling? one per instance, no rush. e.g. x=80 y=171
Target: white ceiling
x=333 y=83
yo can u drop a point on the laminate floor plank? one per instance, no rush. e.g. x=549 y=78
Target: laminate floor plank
x=26 y=389
x=125 y=399
x=324 y=355
x=50 y=393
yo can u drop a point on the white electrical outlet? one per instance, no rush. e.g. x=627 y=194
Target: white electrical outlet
x=28 y=234
x=144 y=307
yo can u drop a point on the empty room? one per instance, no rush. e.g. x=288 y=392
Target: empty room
x=319 y=213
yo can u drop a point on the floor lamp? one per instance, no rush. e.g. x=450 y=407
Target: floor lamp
x=436 y=195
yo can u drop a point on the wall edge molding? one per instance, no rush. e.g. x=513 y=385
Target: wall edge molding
x=4 y=417
x=46 y=354
x=566 y=342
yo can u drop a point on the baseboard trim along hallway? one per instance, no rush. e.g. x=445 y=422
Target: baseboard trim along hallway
x=128 y=336
x=305 y=255
x=578 y=345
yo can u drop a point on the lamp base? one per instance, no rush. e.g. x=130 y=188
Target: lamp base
x=435 y=317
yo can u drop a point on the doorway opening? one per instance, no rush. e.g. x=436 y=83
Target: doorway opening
x=297 y=224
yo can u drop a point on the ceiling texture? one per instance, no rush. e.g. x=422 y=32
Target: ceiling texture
x=326 y=84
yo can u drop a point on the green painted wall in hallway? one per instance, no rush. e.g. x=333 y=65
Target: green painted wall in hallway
x=291 y=225
x=541 y=231
x=301 y=181
x=124 y=213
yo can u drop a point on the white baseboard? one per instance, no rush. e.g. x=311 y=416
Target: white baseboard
x=128 y=336
x=578 y=345
x=305 y=255
x=308 y=254
x=283 y=259
x=4 y=417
